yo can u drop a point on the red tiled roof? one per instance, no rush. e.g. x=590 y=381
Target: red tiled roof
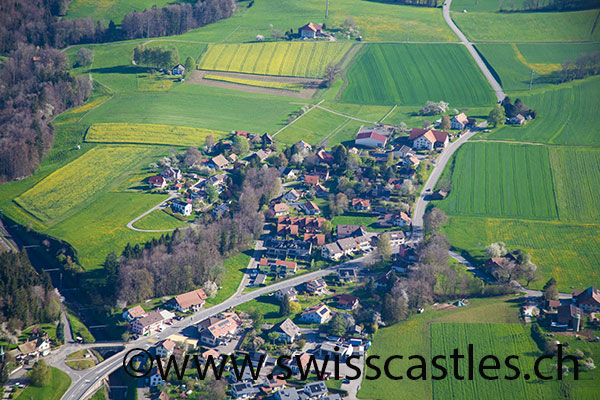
x=372 y=135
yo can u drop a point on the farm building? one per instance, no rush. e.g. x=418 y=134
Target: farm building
x=461 y=122
x=588 y=300
x=517 y=120
x=310 y=31
x=370 y=139
x=178 y=70
x=428 y=139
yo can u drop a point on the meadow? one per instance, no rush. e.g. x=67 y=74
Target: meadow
x=500 y=340
x=107 y=10
x=491 y=26
x=187 y=105
x=150 y=134
x=294 y=87
x=500 y=179
x=569 y=252
x=411 y=74
x=301 y=59
x=158 y=219
x=376 y=20
x=320 y=126
x=567 y=115
x=76 y=183
x=576 y=176
x=414 y=336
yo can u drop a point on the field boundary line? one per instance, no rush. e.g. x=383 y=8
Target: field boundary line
x=230 y=33
x=335 y=131
x=351 y=56
x=343 y=115
x=388 y=113
x=309 y=110
x=112 y=94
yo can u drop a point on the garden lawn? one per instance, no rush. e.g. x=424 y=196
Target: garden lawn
x=73 y=185
x=158 y=219
x=499 y=340
x=486 y=26
x=411 y=74
x=501 y=179
x=302 y=59
x=58 y=385
x=235 y=267
x=575 y=103
x=353 y=218
x=313 y=127
x=150 y=134
x=569 y=252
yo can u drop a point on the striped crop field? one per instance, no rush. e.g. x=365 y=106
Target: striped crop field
x=499 y=340
x=411 y=74
x=150 y=134
x=294 y=87
x=275 y=58
x=576 y=176
x=502 y=180
x=79 y=181
x=569 y=252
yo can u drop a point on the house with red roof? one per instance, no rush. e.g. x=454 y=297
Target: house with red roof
x=157 y=181
x=310 y=31
x=370 y=139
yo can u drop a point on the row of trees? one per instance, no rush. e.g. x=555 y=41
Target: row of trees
x=585 y=65
x=424 y=3
x=158 y=57
x=551 y=5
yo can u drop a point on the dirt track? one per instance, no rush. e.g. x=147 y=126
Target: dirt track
x=311 y=85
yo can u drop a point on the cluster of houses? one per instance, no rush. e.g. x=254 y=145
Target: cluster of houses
x=570 y=314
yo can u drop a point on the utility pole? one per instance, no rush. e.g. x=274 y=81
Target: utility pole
x=567 y=133
x=408 y=32
x=531 y=80
x=327 y=10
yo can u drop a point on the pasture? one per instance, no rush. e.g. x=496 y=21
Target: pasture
x=569 y=252
x=58 y=384
x=150 y=134
x=576 y=176
x=100 y=10
x=519 y=27
x=503 y=180
x=318 y=126
x=73 y=185
x=187 y=105
x=376 y=20
x=411 y=74
x=567 y=115
x=300 y=59
x=294 y=87
x=158 y=219
x=500 y=340
x=414 y=336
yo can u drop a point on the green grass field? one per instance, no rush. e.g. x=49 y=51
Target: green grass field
x=575 y=103
x=555 y=53
x=100 y=10
x=411 y=74
x=58 y=385
x=500 y=340
x=415 y=337
x=150 y=134
x=504 y=180
x=294 y=87
x=491 y=26
x=313 y=127
x=304 y=59
x=576 y=176
x=159 y=219
x=76 y=183
x=569 y=252
x=376 y=20
x=186 y=105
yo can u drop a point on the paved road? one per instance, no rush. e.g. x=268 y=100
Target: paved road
x=422 y=201
x=156 y=207
x=85 y=383
x=486 y=72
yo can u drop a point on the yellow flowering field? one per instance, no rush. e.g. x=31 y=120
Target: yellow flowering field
x=150 y=134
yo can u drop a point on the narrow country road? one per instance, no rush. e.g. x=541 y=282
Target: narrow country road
x=156 y=207
x=486 y=72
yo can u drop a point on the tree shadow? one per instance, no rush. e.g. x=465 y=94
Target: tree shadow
x=118 y=69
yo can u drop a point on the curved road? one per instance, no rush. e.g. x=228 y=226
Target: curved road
x=84 y=384
x=156 y=207
x=486 y=72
